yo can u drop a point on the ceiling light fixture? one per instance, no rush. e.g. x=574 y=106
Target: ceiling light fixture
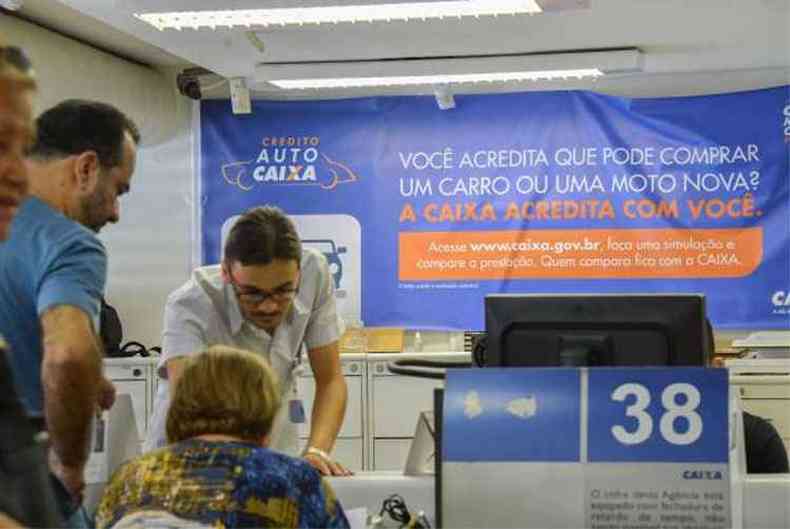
x=500 y=77
x=11 y=5
x=559 y=66
x=251 y=18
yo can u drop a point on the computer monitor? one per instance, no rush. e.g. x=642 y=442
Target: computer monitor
x=544 y=330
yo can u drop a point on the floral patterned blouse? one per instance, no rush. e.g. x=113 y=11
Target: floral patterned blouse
x=222 y=484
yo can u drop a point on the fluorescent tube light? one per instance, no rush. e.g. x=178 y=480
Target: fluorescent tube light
x=357 y=82
x=249 y=18
x=455 y=70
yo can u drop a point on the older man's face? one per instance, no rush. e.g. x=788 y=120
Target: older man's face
x=16 y=136
x=103 y=206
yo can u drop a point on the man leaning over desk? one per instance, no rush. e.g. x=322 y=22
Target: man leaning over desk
x=271 y=296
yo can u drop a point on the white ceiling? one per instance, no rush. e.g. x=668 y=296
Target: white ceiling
x=61 y=18
x=749 y=40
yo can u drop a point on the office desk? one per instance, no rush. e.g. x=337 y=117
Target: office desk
x=766 y=503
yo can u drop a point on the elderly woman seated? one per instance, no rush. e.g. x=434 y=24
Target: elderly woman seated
x=217 y=470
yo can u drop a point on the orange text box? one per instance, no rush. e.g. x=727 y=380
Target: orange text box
x=579 y=254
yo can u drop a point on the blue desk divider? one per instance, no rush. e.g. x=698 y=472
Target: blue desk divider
x=612 y=448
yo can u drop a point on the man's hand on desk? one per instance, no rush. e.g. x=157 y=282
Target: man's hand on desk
x=324 y=463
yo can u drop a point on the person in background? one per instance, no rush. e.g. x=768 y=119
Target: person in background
x=53 y=276
x=765 y=451
x=270 y=296
x=16 y=131
x=26 y=496
x=218 y=471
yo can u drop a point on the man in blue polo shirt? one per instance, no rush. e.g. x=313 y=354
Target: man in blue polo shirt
x=54 y=270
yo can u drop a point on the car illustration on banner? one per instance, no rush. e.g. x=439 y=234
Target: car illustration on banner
x=332 y=253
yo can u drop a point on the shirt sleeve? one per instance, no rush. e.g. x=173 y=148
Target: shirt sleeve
x=765 y=451
x=184 y=332
x=325 y=325
x=776 y=454
x=75 y=276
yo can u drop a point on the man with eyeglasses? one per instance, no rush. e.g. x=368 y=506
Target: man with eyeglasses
x=271 y=296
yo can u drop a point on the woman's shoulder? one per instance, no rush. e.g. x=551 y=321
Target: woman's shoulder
x=270 y=472
x=142 y=468
x=302 y=496
x=266 y=459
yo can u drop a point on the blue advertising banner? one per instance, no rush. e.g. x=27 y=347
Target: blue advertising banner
x=421 y=212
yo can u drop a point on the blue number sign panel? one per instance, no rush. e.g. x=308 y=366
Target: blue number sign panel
x=599 y=448
x=511 y=448
x=658 y=415
x=658 y=448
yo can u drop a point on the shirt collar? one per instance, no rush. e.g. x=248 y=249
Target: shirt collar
x=298 y=307
x=235 y=318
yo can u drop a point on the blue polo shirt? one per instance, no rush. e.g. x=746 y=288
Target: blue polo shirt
x=48 y=260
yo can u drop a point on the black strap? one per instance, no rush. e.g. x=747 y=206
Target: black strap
x=133 y=348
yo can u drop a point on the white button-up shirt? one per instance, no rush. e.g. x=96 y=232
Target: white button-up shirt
x=205 y=312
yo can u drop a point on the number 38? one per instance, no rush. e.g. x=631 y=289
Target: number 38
x=673 y=410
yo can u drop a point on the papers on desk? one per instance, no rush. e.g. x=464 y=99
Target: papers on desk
x=765 y=344
x=768 y=353
x=96 y=469
x=357 y=518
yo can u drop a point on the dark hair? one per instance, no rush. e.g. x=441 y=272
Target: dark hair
x=76 y=126
x=261 y=235
x=16 y=66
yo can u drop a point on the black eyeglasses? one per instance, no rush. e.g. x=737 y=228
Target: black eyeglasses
x=16 y=58
x=253 y=299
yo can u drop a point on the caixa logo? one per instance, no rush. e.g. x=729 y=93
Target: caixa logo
x=781 y=301
x=702 y=474
x=289 y=161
